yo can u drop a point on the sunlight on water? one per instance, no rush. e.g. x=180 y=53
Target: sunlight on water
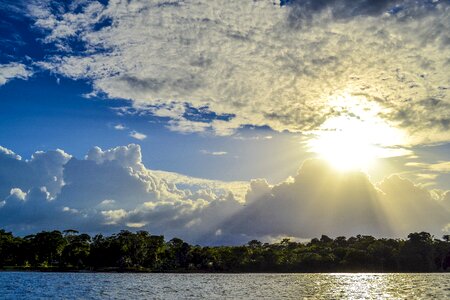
x=29 y=285
x=366 y=286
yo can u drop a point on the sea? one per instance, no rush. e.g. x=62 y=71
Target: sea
x=52 y=285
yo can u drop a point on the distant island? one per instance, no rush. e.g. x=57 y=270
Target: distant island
x=142 y=252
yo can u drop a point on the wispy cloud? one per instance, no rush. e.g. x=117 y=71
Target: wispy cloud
x=252 y=138
x=183 y=125
x=138 y=135
x=213 y=153
x=120 y=127
x=439 y=167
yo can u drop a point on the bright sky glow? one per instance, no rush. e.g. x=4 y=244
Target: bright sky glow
x=356 y=138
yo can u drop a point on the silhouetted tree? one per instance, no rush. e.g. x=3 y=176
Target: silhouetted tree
x=76 y=252
x=134 y=251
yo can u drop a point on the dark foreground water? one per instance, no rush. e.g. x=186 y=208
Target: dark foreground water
x=32 y=285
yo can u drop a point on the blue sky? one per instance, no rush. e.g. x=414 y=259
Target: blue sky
x=220 y=94
x=49 y=111
x=41 y=114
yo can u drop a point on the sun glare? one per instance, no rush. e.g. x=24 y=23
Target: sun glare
x=357 y=136
x=346 y=147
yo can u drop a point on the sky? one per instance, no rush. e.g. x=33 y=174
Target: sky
x=224 y=121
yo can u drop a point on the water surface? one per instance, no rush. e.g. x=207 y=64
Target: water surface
x=32 y=285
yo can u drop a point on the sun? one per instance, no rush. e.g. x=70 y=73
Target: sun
x=346 y=147
x=356 y=137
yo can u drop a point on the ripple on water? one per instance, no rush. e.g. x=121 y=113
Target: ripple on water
x=32 y=285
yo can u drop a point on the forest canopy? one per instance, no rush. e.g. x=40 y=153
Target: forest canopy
x=140 y=251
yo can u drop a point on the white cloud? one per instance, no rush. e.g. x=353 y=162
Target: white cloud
x=185 y=126
x=261 y=63
x=43 y=169
x=13 y=70
x=438 y=167
x=252 y=138
x=112 y=189
x=213 y=153
x=202 y=187
x=138 y=135
x=6 y=152
x=18 y=193
x=159 y=201
x=136 y=225
x=441 y=167
x=114 y=216
x=126 y=156
x=68 y=209
x=107 y=202
x=120 y=127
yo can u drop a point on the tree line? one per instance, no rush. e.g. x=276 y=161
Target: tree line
x=141 y=251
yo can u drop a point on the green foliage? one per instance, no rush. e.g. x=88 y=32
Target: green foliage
x=141 y=251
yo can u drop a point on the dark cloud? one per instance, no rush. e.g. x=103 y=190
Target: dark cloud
x=318 y=201
x=25 y=212
x=437 y=115
x=303 y=10
x=88 y=183
x=151 y=84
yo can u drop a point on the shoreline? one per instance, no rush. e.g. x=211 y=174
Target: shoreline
x=133 y=271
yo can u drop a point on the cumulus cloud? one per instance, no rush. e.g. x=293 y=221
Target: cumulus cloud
x=43 y=169
x=201 y=186
x=274 y=63
x=320 y=200
x=13 y=70
x=109 y=190
x=106 y=191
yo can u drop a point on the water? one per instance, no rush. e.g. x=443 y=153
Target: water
x=35 y=285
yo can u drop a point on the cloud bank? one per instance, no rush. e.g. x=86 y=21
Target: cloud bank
x=111 y=189
x=264 y=63
x=320 y=200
